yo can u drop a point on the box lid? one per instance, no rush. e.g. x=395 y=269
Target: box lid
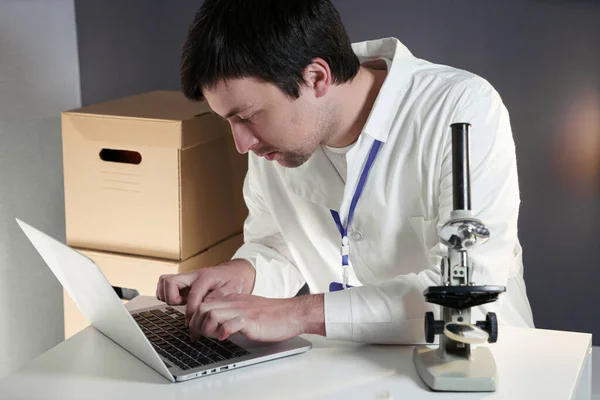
x=157 y=118
x=156 y=105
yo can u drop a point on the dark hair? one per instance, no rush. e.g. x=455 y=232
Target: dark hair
x=273 y=40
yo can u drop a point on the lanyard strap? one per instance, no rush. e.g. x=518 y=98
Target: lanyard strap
x=359 y=188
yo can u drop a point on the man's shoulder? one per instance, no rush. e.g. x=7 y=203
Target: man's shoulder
x=441 y=79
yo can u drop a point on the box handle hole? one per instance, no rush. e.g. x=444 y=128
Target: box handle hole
x=121 y=156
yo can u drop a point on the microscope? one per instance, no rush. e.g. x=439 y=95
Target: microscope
x=453 y=365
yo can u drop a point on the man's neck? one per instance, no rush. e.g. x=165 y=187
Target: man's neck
x=356 y=100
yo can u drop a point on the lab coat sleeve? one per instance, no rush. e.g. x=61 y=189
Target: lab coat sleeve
x=264 y=247
x=393 y=312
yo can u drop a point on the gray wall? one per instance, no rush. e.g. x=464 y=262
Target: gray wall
x=542 y=56
x=140 y=50
x=38 y=79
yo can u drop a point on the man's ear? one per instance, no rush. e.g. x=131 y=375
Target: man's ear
x=317 y=77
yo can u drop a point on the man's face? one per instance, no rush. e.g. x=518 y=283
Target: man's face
x=269 y=123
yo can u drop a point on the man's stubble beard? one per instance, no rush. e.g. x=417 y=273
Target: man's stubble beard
x=327 y=126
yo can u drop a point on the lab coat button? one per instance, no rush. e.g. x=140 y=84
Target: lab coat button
x=356 y=236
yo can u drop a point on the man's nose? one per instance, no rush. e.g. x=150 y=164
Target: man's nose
x=243 y=138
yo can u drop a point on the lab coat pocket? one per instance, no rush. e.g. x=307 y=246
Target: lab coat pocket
x=427 y=236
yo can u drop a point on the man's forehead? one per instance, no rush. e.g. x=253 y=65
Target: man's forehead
x=239 y=87
x=235 y=95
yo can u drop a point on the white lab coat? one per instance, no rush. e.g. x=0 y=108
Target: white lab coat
x=291 y=237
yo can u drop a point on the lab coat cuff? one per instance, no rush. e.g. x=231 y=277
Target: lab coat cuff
x=263 y=286
x=338 y=315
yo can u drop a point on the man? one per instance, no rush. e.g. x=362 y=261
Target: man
x=313 y=112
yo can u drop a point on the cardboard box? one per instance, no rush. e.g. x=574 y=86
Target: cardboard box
x=142 y=273
x=151 y=174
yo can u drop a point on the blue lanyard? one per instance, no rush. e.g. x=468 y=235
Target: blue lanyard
x=336 y=216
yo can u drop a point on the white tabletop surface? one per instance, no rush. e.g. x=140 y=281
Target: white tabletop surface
x=532 y=364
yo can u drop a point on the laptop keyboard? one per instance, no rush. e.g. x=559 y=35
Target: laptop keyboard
x=170 y=338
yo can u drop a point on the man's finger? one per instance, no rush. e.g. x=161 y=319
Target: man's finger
x=199 y=289
x=230 y=327
x=172 y=288
x=167 y=292
x=160 y=294
x=214 y=295
x=211 y=322
x=194 y=324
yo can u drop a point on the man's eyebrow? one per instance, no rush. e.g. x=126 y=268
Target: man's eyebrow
x=236 y=110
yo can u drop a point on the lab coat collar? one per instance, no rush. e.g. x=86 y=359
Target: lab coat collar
x=317 y=179
x=400 y=66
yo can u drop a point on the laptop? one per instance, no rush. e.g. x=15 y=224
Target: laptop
x=155 y=335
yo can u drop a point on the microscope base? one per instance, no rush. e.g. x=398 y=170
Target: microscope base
x=448 y=373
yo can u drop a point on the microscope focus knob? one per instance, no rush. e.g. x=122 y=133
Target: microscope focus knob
x=490 y=325
x=432 y=327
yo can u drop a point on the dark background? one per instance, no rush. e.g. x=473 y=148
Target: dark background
x=542 y=56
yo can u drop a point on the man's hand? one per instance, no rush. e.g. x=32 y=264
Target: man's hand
x=258 y=318
x=194 y=287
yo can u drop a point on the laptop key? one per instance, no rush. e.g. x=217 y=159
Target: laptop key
x=186 y=346
x=158 y=313
x=146 y=314
x=195 y=354
x=177 y=353
x=200 y=347
x=223 y=352
x=204 y=360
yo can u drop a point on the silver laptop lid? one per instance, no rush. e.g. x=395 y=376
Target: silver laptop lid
x=95 y=297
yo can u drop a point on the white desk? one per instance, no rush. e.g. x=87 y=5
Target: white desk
x=532 y=364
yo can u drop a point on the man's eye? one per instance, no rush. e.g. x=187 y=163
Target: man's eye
x=247 y=119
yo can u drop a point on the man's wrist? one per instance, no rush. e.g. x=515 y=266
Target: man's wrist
x=248 y=274
x=310 y=312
